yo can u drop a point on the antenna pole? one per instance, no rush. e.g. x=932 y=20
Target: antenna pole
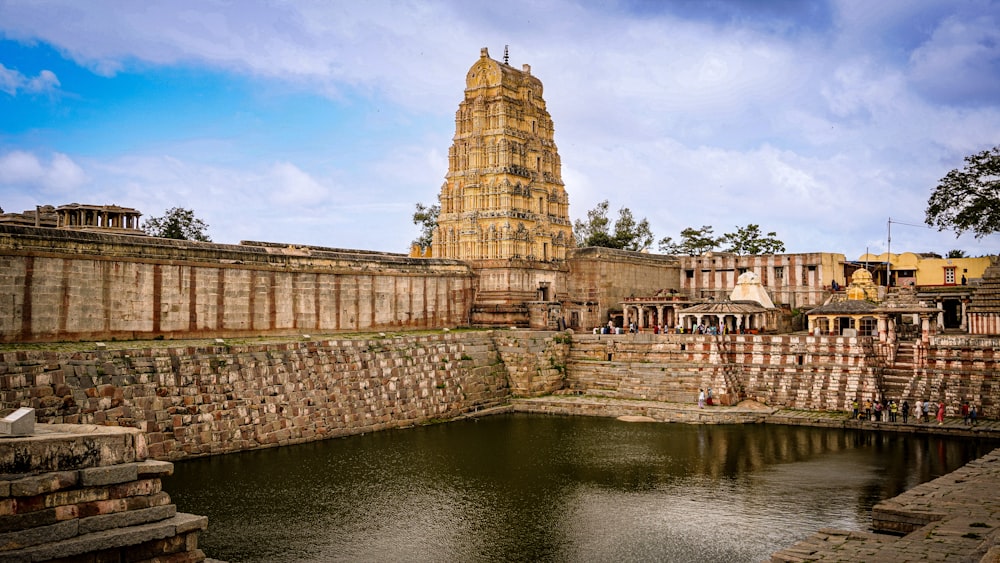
x=888 y=255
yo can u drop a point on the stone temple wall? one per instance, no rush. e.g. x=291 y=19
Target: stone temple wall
x=68 y=285
x=218 y=399
x=797 y=371
x=215 y=399
x=956 y=369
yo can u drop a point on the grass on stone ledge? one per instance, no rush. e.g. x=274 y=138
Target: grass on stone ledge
x=155 y=343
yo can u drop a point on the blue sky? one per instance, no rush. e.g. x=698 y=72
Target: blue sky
x=325 y=122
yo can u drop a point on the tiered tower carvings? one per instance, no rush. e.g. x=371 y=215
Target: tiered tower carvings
x=503 y=197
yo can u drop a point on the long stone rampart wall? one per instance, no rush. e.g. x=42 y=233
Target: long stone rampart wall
x=68 y=285
x=198 y=401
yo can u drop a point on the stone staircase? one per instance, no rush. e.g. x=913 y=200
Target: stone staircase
x=732 y=372
x=899 y=378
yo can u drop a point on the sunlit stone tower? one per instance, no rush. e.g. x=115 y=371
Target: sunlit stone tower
x=503 y=204
x=503 y=196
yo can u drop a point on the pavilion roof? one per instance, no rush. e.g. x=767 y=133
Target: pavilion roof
x=726 y=308
x=845 y=307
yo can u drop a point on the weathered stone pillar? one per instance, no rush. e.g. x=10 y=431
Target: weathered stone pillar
x=883 y=328
x=926 y=329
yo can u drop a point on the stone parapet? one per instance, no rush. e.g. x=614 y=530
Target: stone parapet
x=87 y=493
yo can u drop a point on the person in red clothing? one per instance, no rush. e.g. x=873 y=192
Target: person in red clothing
x=965 y=412
x=940 y=415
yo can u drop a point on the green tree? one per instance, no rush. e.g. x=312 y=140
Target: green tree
x=426 y=217
x=632 y=235
x=693 y=242
x=968 y=199
x=593 y=231
x=956 y=254
x=177 y=223
x=668 y=246
x=750 y=241
x=628 y=234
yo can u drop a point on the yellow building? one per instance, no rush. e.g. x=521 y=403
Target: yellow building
x=850 y=314
x=924 y=270
x=944 y=283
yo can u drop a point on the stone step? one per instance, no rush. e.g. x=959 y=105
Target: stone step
x=116 y=538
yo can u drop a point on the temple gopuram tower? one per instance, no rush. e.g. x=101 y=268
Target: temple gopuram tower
x=503 y=196
x=503 y=205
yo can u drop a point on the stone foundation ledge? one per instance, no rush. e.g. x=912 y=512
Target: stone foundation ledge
x=87 y=493
x=60 y=447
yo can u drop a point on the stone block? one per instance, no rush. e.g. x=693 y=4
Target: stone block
x=153 y=468
x=41 y=484
x=36 y=536
x=34 y=519
x=18 y=423
x=127 y=518
x=110 y=475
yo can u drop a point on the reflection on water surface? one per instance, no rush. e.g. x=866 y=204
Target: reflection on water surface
x=531 y=487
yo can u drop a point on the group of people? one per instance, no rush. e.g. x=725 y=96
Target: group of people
x=609 y=329
x=661 y=329
x=705 y=398
x=881 y=411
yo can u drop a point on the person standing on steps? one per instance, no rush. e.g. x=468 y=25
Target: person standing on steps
x=919 y=410
x=965 y=412
x=906 y=410
x=972 y=416
x=701 y=398
x=940 y=412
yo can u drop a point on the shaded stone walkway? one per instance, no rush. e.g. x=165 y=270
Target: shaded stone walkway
x=954 y=518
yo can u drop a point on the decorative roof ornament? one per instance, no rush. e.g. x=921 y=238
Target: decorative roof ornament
x=749 y=288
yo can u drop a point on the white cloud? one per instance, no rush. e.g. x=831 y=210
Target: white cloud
x=960 y=63
x=21 y=169
x=818 y=132
x=291 y=186
x=270 y=201
x=12 y=81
